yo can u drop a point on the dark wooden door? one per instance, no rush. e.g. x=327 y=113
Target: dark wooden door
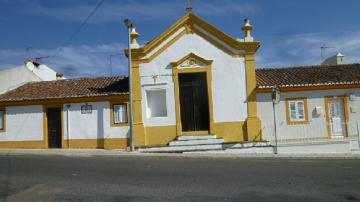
x=54 y=127
x=194 y=105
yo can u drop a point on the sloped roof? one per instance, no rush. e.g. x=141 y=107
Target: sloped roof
x=318 y=75
x=68 y=88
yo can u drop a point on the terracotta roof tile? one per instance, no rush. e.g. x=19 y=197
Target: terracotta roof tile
x=308 y=76
x=68 y=88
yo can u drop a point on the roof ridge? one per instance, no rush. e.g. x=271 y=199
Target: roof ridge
x=305 y=66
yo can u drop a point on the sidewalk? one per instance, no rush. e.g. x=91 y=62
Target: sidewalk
x=123 y=153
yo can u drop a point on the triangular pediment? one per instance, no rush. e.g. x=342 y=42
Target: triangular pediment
x=192 y=24
x=190 y=61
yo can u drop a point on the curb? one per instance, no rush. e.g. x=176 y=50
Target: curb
x=123 y=153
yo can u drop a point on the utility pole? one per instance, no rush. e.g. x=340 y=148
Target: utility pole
x=129 y=25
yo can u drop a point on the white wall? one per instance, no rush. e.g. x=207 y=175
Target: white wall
x=228 y=80
x=23 y=123
x=91 y=126
x=15 y=77
x=317 y=124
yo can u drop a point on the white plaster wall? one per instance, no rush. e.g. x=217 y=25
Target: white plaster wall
x=91 y=126
x=44 y=73
x=228 y=80
x=317 y=124
x=15 y=77
x=23 y=123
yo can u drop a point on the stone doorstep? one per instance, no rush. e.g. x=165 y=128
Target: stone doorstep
x=196 y=142
x=196 y=137
x=182 y=148
x=205 y=147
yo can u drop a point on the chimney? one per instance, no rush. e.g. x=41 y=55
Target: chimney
x=337 y=59
x=59 y=75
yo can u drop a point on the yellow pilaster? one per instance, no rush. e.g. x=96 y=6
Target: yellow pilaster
x=253 y=123
x=139 y=131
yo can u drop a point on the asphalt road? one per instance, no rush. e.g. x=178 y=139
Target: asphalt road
x=122 y=178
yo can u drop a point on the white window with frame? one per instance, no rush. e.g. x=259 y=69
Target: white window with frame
x=156 y=106
x=120 y=113
x=2 y=120
x=296 y=111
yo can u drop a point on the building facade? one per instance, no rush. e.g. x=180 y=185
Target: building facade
x=193 y=79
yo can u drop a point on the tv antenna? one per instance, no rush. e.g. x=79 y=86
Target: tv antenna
x=110 y=61
x=323 y=49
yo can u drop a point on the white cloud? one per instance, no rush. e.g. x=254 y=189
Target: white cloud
x=304 y=49
x=74 y=61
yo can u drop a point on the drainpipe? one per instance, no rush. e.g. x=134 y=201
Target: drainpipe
x=67 y=125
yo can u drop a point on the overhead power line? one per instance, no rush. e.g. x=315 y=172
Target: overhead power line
x=73 y=35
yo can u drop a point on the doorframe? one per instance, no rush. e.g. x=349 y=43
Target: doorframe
x=204 y=69
x=45 y=125
x=346 y=113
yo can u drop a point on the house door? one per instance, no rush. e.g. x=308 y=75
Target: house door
x=337 y=119
x=194 y=102
x=54 y=127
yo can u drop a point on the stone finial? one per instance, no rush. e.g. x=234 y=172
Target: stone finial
x=247 y=29
x=134 y=35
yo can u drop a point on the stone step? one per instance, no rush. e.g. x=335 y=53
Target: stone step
x=196 y=142
x=242 y=145
x=196 y=137
x=186 y=148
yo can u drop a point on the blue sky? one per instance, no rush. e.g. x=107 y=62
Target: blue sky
x=291 y=32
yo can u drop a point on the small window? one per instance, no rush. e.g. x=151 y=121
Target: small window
x=119 y=114
x=156 y=103
x=296 y=111
x=2 y=120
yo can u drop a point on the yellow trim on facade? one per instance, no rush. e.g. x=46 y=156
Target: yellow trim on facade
x=176 y=71
x=192 y=55
x=188 y=22
x=253 y=123
x=327 y=115
x=3 y=129
x=288 y=120
x=45 y=125
x=160 y=135
x=107 y=143
x=23 y=144
x=231 y=131
x=112 y=120
x=138 y=125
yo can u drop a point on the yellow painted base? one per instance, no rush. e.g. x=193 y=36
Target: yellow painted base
x=253 y=128
x=160 y=135
x=114 y=143
x=230 y=131
x=23 y=144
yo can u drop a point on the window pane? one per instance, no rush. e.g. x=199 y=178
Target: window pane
x=293 y=114
x=292 y=110
x=1 y=119
x=300 y=107
x=156 y=103
x=120 y=113
x=292 y=106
